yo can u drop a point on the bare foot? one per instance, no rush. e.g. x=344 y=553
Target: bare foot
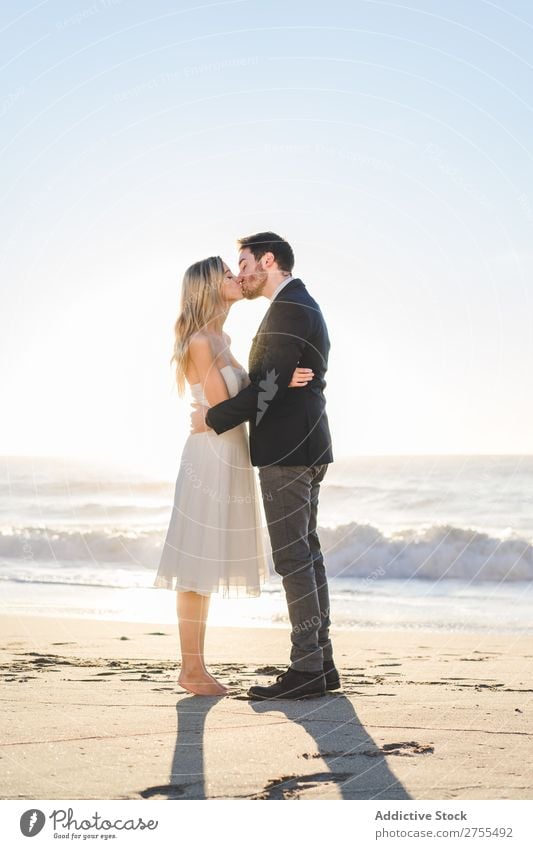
x=201 y=683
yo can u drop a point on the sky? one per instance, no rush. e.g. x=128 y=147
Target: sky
x=389 y=143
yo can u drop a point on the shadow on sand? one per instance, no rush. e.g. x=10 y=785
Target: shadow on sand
x=187 y=775
x=356 y=766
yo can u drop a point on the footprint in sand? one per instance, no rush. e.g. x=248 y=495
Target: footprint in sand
x=405 y=749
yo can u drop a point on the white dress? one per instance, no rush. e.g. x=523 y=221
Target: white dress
x=215 y=540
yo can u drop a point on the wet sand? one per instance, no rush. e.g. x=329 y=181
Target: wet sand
x=91 y=710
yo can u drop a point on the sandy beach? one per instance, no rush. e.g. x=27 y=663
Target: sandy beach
x=91 y=710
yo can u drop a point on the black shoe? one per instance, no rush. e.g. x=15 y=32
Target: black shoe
x=292 y=684
x=333 y=681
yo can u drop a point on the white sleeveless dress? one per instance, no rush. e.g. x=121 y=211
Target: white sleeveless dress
x=215 y=541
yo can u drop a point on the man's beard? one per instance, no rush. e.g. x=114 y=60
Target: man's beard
x=257 y=286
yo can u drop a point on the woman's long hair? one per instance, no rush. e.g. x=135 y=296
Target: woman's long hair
x=201 y=302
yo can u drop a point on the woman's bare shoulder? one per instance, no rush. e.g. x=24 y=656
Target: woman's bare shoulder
x=199 y=341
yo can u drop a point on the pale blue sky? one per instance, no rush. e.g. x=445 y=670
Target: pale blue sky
x=389 y=143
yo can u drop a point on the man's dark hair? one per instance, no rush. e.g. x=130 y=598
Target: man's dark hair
x=262 y=243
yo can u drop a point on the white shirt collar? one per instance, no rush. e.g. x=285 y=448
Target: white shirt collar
x=281 y=286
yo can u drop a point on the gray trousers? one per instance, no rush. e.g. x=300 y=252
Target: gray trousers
x=290 y=498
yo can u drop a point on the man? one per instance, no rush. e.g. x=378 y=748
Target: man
x=290 y=442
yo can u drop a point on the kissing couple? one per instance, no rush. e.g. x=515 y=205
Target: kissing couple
x=214 y=541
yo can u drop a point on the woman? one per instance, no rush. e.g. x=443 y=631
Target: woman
x=214 y=541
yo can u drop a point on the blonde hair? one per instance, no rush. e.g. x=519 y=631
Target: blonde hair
x=201 y=302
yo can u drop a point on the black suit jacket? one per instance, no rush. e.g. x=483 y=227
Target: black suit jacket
x=288 y=427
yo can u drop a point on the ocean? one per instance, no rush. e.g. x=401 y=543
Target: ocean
x=427 y=542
